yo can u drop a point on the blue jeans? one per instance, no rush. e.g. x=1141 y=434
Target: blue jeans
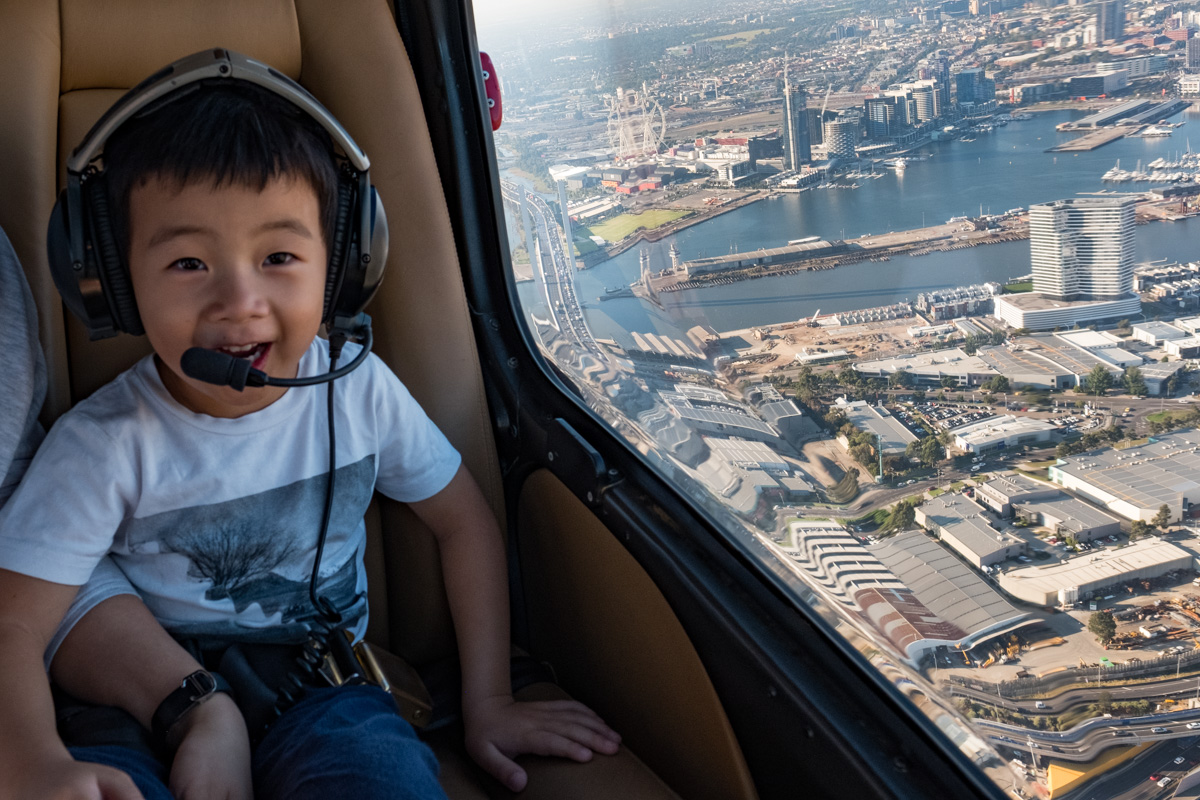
x=346 y=742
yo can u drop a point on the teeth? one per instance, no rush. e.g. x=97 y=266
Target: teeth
x=244 y=351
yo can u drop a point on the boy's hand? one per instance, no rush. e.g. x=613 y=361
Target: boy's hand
x=213 y=758
x=499 y=729
x=67 y=779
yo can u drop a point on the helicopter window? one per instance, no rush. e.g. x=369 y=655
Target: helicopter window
x=789 y=254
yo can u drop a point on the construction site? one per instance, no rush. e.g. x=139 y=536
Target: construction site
x=1174 y=620
x=818 y=340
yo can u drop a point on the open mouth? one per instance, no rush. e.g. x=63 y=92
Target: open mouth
x=256 y=354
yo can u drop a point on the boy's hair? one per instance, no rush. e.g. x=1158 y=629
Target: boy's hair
x=228 y=134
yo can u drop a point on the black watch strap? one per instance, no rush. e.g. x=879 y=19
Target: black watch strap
x=194 y=690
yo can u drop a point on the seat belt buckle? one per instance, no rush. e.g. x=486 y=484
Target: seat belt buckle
x=398 y=678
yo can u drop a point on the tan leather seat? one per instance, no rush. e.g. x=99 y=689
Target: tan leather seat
x=593 y=611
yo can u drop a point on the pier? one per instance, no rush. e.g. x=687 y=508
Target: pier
x=1096 y=138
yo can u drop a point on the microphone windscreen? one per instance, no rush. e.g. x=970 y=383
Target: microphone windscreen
x=215 y=367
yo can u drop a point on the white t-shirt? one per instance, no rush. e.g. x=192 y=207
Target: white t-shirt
x=215 y=521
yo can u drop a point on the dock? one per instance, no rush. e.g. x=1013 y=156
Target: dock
x=1094 y=139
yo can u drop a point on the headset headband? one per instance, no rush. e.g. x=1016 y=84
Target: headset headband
x=205 y=65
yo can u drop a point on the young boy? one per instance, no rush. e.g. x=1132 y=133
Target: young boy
x=210 y=499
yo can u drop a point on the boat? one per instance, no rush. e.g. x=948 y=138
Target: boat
x=1154 y=132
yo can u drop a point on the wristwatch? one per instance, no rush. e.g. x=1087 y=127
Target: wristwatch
x=196 y=688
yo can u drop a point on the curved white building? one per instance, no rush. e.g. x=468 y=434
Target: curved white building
x=1082 y=248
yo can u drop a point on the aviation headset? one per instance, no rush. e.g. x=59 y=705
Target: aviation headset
x=86 y=263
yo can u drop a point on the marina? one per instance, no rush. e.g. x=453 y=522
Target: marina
x=1007 y=169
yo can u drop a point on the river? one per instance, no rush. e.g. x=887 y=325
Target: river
x=1003 y=169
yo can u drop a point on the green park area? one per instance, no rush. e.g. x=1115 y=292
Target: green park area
x=740 y=39
x=1021 y=286
x=1170 y=416
x=617 y=228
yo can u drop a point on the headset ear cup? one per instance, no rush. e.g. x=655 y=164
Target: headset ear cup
x=113 y=274
x=338 y=247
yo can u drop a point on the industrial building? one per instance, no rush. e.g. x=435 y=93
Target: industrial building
x=1188 y=347
x=749 y=476
x=1068 y=517
x=1137 y=481
x=1155 y=333
x=929 y=368
x=1096 y=572
x=1000 y=493
x=890 y=433
x=962 y=525
x=998 y=433
x=912 y=591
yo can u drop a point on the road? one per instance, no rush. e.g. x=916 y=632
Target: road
x=554 y=271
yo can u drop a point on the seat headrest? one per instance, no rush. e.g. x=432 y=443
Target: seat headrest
x=96 y=37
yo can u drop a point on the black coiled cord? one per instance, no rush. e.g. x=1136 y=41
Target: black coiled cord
x=326 y=635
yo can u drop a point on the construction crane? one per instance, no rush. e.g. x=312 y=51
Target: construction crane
x=826 y=103
x=812 y=323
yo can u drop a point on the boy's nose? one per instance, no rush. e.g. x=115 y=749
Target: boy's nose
x=239 y=295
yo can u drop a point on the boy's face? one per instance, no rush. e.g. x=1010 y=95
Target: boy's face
x=230 y=269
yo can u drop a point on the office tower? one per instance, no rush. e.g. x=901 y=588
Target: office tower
x=796 y=148
x=816 y=126
x=1082 y=249
x=940 y=67
x=924 y=94
x=973 y=86
x=1193 y=54
x=841 y=138
x=1110 y=20
x=880 y=114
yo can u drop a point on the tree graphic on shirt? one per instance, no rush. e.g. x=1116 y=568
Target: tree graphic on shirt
x=233 y=553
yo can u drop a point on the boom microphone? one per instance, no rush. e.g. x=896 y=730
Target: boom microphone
x=222 y=369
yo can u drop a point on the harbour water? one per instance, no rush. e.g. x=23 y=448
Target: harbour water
x=1000 y=170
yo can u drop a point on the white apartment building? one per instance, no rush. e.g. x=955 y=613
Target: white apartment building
x=1082 y=248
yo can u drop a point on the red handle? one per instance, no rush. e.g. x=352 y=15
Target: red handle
x=491 y=85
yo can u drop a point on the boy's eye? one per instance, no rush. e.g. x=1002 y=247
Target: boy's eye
x=188 y=264
x=280 y=258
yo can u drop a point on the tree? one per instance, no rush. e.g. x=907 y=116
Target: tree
x=1099 y=380
x=1102 y=624
x=1134 y=383
x=900 y=379
x=1123 y=325
x=918 y=395
x=997 y=383
x=903 y=515
x=931 y=451
x=1163 y=518
x=1137 y=529
x=1104 y=702
x=949 y=382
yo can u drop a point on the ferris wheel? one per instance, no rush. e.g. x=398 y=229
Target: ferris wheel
x=636 y=123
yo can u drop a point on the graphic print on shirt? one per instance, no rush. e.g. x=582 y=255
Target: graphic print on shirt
x=248 y=560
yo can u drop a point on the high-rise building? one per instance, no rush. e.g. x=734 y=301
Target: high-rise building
x=841 y=137
x=1082 y=249
x=940 y=67
x=880 y=113
x=1193 y=54
x=816 y=126
x=924 y=94
x=1110 y=20
x=796 y=147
